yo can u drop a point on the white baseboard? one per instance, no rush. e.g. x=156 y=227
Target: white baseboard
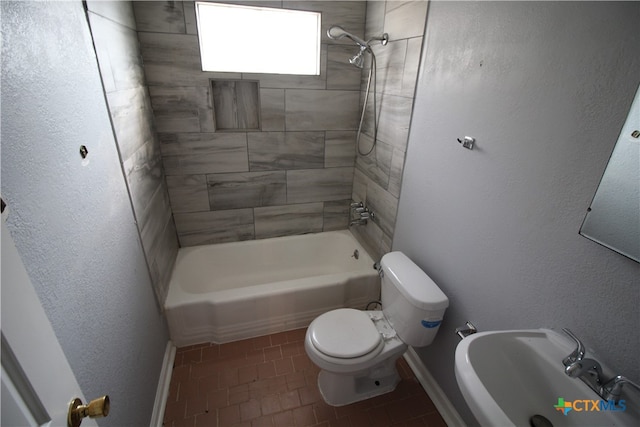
x=162 y=392
x=431 y=387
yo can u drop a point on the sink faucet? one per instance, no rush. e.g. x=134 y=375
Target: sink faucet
x=576 y=366
x=590 y=372
x=612 y=389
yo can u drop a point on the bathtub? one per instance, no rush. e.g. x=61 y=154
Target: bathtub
x=231 y=291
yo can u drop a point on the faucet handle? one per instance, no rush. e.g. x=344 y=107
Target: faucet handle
x=578 y=353
x=612 y=389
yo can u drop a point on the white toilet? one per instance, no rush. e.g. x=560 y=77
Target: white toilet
x=357 y=350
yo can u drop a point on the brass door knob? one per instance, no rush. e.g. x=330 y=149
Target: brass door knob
x=95 y=409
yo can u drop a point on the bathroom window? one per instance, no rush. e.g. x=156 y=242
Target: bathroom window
x=258 y=40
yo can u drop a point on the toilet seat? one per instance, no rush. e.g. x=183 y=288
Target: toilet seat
x=346 y=333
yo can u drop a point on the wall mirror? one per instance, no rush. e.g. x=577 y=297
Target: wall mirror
x=613 y=219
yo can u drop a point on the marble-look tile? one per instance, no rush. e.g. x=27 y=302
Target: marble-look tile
x=374 y=23
x=143 y=171
x=340 y=73
x=321 y=109
x=339 y=148
x=377 y=165
x=174 y=60
x=348 y=14
x=272 y=105
x=286 y=81
x=372 y=238
x=189 y=7
x=164 y=260
x=384 y=205
x=285 y=150
x=246 y=190
x=236 y=104
x=394 y=120
x=359 y=190
x=182 y=109
x=336 y=215
x=257 y=3
x=181 y=74
x=118 y=55
x=165 y=48
x=153 y=222
x=201 y=228
x=397 y=168
x=203 y=153
x=132 y=118
x=188 y=193
x=317 y=185
x=288 y=220
x=159 y=16
x=405 y=19
x=390 y=61
x=120 y=12
x=411 y=67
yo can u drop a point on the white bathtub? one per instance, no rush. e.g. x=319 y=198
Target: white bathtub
x=231 y=291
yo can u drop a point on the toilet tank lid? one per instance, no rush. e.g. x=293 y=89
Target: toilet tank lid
x=412 y=282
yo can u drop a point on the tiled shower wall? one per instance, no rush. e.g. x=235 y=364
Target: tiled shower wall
x=378 y=176
x=114 y=33
x=293 y=176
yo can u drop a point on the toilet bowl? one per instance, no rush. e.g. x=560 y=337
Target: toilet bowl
x=357 y=351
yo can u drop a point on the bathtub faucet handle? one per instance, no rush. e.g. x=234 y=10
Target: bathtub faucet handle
x=356 y=205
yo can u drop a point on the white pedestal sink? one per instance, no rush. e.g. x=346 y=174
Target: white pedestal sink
x=506 y=377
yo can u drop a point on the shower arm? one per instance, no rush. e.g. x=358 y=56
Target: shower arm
x=337 y=32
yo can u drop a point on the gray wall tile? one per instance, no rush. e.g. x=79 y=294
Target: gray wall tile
x=202 y=153
x=394 y=120
x=159 y=16
x=336 y=215
x=377 y=177
x=120 y=13
x=339 y=148
x=272 y=104
x=288 y=220
x=246 y=190
x=285 y=150
x=397 y=168
x=311 y=185
x=321 y=109
x=182 y=109
x=120 y=64
x=405 y=19
x=281 y=165
x=202 y=228
x=348 y=14
x=340 y=73
x=132 y=117
x=188 y=193
x=411 y=67
x=119 y=57
x=376 y=166
x=144 y=174
x=390 y=62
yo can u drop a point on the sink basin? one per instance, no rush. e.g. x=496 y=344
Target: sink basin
x=506 y=377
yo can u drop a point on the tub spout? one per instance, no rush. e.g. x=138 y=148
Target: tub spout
x=362 y=221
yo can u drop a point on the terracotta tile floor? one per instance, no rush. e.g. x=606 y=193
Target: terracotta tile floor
x=270 y=381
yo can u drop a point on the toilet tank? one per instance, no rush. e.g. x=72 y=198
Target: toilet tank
x=412 y=303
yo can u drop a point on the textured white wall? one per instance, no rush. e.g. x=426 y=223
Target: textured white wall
x=71 y=218
x=544 y=88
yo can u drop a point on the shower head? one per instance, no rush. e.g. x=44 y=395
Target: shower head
x=358 y=58
x=337 y=32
